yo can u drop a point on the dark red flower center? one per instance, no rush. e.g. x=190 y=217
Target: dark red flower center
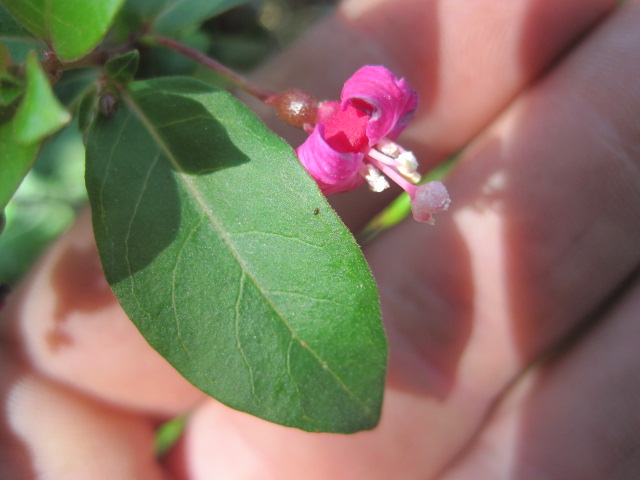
x=346 y=130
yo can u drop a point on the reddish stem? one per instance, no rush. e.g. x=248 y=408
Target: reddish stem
x=235 y=78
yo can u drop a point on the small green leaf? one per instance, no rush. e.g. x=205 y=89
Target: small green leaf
x=45 y=205
x=122 y=68
x=15 y=161
x=206 y=226
x=72 y=27
x=40 y=113
x=168 y=434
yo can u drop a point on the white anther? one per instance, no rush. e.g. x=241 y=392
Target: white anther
x=389 y=148
x=377 y=182
x=408 y=166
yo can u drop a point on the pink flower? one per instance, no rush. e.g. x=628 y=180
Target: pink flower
x=353 y=141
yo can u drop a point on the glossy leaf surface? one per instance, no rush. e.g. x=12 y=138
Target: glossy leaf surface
x=223 y=252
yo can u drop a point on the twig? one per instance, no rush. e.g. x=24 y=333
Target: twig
x=235 y=78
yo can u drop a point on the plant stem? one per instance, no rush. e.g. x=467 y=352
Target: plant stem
x=235 y=78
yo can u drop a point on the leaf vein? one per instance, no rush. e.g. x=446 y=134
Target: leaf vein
x=238 y=342
x=315 y=299
x=275 y=234
x=178 y=121
x=173 y=294
x=103 y=211
x=134 y=214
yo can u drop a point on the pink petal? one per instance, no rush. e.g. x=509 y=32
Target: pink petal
x=391 y=102
x=428 y=199
x=334 y=172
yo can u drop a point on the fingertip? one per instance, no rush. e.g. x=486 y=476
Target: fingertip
x=70 y=327
x=48 y=431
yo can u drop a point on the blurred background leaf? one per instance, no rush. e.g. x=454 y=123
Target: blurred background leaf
x=45 y=205
x=71 y=27
x=16 y=38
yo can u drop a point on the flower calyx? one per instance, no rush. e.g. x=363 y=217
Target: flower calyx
x=295 y=107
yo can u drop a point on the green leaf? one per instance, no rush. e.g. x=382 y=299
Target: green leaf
x=15 y=161
x=168 y=434
x=45 y=205
x=72 y=27
x=206 y=226
x=40 y=113
x=123 y=67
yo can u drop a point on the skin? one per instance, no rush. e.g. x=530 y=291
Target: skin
x=512 y=323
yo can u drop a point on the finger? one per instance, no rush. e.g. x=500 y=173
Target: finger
x=222 y=443
x=470 y=59
x=48 y=431
x=540 y=232
x=467 y=61
x=575 y=418
x=454 y=296
x=71 y=329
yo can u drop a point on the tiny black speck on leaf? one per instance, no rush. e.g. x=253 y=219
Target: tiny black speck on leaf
x=316 y=211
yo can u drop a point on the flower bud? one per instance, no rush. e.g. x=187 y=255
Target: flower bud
x=295 y=107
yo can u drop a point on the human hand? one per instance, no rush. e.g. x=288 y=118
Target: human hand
x=511 y=322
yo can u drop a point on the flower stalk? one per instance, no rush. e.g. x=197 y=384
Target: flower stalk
x=235 y=78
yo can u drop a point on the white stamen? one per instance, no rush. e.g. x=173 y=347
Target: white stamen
x=377 y=182
x=408 y=165
x=381 y=157
x=389 y=148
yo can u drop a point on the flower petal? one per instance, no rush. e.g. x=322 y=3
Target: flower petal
x=391 y=101
x=334 y=172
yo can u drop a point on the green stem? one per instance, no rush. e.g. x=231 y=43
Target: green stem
x=235 y=78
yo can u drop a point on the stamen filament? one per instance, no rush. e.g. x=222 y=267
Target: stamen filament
x=381 y=157
x=393 y=174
